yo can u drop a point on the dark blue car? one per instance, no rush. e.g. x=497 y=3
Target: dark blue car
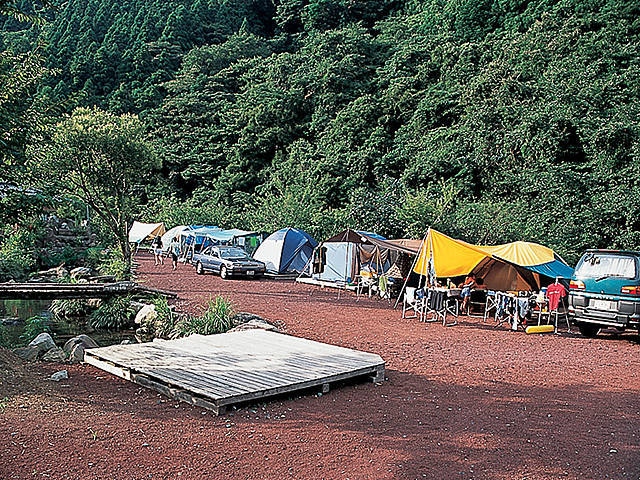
x=227 y=262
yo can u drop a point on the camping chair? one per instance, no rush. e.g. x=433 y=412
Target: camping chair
x=555 y=307
x=491 y=304
x=366 y=283
x=411 y=302
x=435 y=305
x=383 y=288
x=477 y=299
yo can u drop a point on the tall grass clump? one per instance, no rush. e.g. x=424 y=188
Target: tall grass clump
x=215 y=319
x=113 y=314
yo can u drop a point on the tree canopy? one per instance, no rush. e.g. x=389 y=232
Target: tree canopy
x=490 y=120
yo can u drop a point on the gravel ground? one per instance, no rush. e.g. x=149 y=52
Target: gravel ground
x=471 y=401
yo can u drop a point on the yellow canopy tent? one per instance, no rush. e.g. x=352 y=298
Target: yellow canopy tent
x=448 y=257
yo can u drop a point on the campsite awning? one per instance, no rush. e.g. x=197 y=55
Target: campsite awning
x=368 y=238
x=142 y=231
x=512 y=266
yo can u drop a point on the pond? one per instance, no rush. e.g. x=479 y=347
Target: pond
x=14 y=314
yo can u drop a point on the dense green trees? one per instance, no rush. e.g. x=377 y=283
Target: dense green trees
x=102 y=160
x=490 y=120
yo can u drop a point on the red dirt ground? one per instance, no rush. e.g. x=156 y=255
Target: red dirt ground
x=472 y=401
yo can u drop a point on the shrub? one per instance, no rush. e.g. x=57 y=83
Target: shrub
x=113 y=314
x=215 y=319
x=17 y=255
x=33 y=327
x=68 y=309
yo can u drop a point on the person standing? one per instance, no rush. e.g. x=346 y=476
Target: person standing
x=174 y=248
x=156 y=245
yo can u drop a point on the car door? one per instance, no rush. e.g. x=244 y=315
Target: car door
x=205 y=258
x=216 y=261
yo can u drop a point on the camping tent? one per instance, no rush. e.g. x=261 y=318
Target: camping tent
x=145 y=231
x=286 y=251
x=512 y=266
x=342 y=257
x=171 y=234
x=195 y=238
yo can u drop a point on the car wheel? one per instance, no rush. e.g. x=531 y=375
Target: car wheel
x=199 y=269
x=588 y=330
x=223 y=272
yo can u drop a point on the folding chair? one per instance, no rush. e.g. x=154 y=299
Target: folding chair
x=365 y=284
x=490 y=304
x=411 y=302
x=436 y=306
x=477 y=299
x=383 y=288
x=556 y=307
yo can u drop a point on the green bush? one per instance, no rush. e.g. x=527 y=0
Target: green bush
x=4 y=337
x=69 y=309
x=33 y=327
x=17 y=255
x=215 y=319
x=113 y=314
x=166 y=322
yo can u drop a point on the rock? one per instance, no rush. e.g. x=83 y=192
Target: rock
x=253 y=324
x=61 y=375
x=77 y=354
x=146 y=315
x=43 y=343
x=245 y=317
x=56 y=354
x=80 y=272
x=84 y=340
x=29 y=354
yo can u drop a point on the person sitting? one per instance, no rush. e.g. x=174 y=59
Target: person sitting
x=466 y=287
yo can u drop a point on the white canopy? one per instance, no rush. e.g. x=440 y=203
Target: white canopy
x=143 y=231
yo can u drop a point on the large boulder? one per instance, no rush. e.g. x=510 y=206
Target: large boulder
x=80 y=272
x=146 y=315
x=55 y=354
x=43 y=343
x=84 y=340
x=76 y=355
x=28 y=354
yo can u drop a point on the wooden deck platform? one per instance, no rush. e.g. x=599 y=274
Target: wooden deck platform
x=216 y=371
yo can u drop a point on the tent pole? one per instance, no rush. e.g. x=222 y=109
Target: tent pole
x=415 y=260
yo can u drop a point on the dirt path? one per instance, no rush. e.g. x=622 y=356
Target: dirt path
x=468 y=401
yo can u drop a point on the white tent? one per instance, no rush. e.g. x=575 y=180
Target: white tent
x=145 y=231
x=171 y=233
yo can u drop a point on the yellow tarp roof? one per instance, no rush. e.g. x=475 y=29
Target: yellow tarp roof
x=502 y=267
x=451 y=258
x=522 y=253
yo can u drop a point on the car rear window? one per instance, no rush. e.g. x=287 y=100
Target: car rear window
x=598 y=265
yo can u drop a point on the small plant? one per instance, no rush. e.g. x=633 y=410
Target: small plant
x=165 y=322
x=4 y=337
x=215 y=319
x=113 y=314
x=69 y=308
x=33 y=327
x=3 y=404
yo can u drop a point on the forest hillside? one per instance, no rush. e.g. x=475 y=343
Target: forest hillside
x=490 y=120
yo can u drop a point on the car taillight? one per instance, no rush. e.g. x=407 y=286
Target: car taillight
x=576 y=285
x=630 y=290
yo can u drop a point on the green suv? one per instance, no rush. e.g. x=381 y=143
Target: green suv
x=605 y=291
